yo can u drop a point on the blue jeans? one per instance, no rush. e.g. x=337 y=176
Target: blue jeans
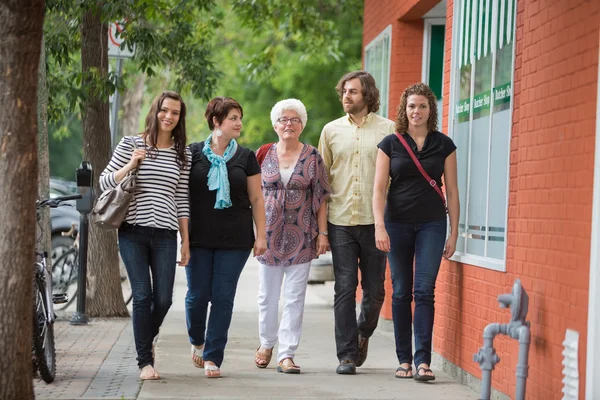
x=423 y=243
x=212 y=276
x=349 y=244
x=150 y=256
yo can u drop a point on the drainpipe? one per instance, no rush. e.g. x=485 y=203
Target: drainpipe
x=518 y=328
x=487 y=358
x=524 y=337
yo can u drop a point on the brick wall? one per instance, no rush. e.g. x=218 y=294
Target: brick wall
x=551 y=173
x=550 y=200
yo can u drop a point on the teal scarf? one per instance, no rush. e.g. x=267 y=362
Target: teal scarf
x=218 y=178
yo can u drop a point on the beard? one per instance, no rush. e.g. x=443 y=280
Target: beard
x=354 y=108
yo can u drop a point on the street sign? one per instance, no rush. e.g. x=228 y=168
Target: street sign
x=115 y=41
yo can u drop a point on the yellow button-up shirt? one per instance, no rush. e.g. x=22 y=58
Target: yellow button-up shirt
x=349 y=152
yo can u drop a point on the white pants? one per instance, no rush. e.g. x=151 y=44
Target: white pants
x=289 y=330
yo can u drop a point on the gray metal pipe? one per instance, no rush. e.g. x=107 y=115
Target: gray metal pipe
x=518 y=328
x=524 y=337
x=487 y=358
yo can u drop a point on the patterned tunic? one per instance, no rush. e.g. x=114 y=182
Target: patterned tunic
x=292 y=210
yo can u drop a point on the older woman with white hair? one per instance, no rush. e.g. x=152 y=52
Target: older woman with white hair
x=295 y=188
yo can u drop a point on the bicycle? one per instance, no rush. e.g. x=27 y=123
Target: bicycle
x=65 y=271
x=43 y=351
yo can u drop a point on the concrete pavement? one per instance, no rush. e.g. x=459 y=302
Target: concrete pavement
x=316 y=355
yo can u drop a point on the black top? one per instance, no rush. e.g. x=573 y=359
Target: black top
x=410 y=197
x=229 y=228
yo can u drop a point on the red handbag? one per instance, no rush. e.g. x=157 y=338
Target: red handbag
x=262 y=152
x=431 y=182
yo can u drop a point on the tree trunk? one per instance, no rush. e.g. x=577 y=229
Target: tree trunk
x=104 y=294
x=132 y=105
x=43 y=153
x=21 y=33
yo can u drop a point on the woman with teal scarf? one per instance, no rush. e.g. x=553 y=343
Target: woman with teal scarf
x=226 y=203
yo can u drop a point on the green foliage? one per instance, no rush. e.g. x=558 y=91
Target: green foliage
x=256 y=51
x=66 y=148
x=168 y=35
x=303 y=64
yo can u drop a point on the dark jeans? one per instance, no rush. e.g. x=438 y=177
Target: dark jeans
x=150 y=256
x=212 y=276
x=349 y=244
x=423 y=243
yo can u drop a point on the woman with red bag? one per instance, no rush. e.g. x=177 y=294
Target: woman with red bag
x=410 y=224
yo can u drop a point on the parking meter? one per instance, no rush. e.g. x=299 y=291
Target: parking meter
x=85 y=182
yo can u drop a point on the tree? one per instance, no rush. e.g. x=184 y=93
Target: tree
x=174 y=36
x=162 y=31
x=103 y=274
x=21 y=32
x=43 y=181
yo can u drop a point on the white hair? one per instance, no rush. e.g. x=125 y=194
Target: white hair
x=289 y=105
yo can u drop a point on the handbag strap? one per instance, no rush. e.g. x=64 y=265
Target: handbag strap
x=431 y=182
x=262 y=152
x=135 y=146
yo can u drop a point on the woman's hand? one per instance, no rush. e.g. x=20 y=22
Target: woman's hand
x=137 y=157
x=450 y=247
x=382 y=240
x=322 y=244
x=185 y=254
x=260 y=246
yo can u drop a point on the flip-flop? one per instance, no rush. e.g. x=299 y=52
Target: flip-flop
x=406 y=371
x=197 y=353
x=424 y=377
x=263 y=355
x=211 y=367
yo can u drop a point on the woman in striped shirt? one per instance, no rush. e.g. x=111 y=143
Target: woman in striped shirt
x=159 y=208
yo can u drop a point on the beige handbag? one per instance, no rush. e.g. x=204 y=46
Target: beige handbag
x=112 y=205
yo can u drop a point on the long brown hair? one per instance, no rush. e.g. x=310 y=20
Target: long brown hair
x=178 y=133
x=369 y=88
x=422 y=90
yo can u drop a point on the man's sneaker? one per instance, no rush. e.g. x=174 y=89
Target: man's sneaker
x=346 y=367
x=363 y=348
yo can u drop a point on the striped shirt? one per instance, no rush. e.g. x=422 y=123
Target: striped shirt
x=349 y=152
x=161 y=195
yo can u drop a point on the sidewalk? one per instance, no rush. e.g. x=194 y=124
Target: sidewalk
x=98 y=361
x=316 y=355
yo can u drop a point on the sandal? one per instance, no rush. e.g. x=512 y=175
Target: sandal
x=262 y=356
x=286 y=368
x=406 y=371
x=148 y=373
x=424 y=377
x=197 y=356
x=211 y=370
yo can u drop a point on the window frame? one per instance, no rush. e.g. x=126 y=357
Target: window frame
x=387 y=31
x=460 y=254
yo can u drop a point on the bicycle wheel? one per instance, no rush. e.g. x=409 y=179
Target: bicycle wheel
x=43 y=333
x=64 y=276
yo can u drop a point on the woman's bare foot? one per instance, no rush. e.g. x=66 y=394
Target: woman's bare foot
x=148 y=373
x=211 y=370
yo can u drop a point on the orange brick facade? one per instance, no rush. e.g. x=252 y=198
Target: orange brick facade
x=550 y=190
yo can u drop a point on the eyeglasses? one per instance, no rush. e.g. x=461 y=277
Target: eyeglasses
x=294 y=121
